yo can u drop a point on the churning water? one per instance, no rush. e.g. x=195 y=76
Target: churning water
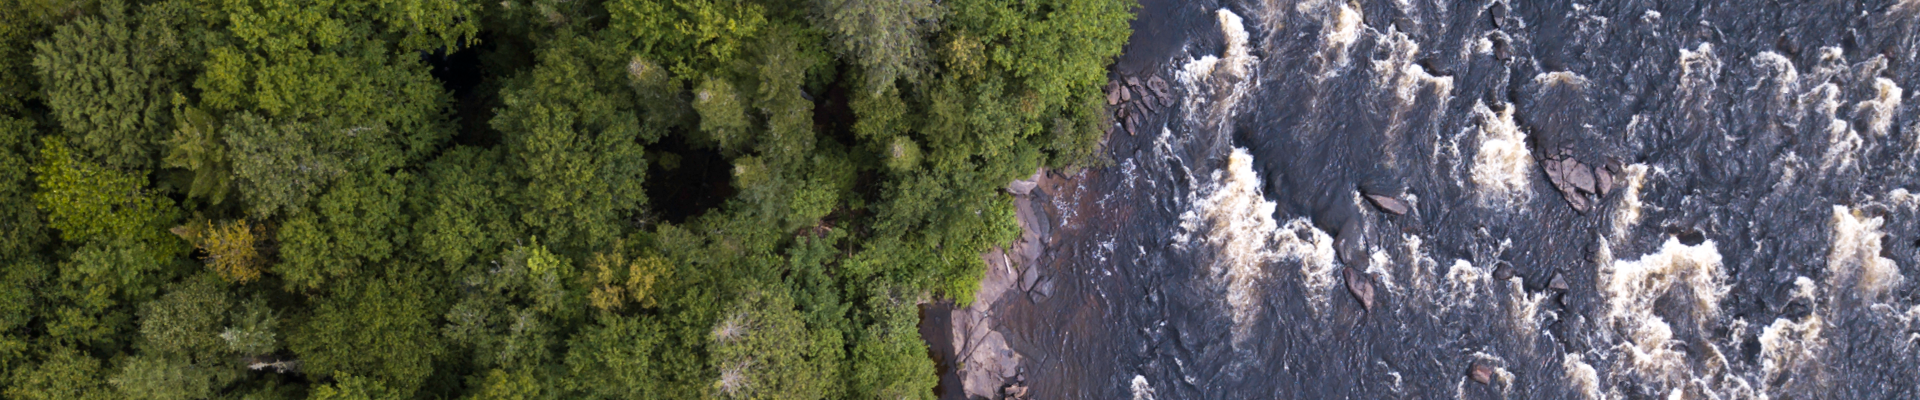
x=1760 y=238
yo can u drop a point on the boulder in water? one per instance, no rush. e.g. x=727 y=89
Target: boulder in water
x=1558 y=282
x=1390 y=204
x=1605 y=180
x=1361 y=285
x=1480 y=373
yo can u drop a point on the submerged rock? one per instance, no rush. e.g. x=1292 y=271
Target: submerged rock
x=1041 y=290
x=1558 y=282
x=1361 y=285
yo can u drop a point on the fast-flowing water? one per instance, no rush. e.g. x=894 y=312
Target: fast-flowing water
x=1758 y=239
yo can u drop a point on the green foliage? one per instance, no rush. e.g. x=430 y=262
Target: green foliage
x=67 y=374
x=276 y=168
x=187 y=320
x=886 y=38
x=763 y=350
x=615 y=360
x=576 y=146
x=391 y=315
x=890 y=361
x=691 y=35
x=349 y=387
x=197 y=146
x=365 y=230
x=109 y=81
x=254 y=329
x=87 y=202
x=355 y=225
x=460 y=210
x=512 y=312
x=20 y=222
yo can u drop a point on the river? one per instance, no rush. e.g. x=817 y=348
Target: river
x=1752 y=233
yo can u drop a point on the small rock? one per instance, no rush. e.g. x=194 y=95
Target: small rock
x=1579 y=175
x=1361 y=285
x=1015 y=391
x=1554 y=174
x=1480 y=373
x=1125 y=95
x=1502 y=272
x=1605 y=179
x=1029 y=277
x=1558 y=282
x=1021 y=188
x=1132 y=81
x=1389 y=204
x=1158 y=85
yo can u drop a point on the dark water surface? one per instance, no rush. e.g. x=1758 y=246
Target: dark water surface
x=1760 y=240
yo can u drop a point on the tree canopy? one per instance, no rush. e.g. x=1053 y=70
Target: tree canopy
x=519 y=199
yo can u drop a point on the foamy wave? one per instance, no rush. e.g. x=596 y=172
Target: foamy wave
x=1627 y=214
x=1632 y=288
x=1464 y=283
x=1235 y=222
x=1843 y=143
x=1855 y=260
x=1238 y=225
x=1581 y=376
x=1880 y=110
x=1503 y=167
x=1340 y=26
x=1401 y=72
x=1216 y=84
x=1788 y=347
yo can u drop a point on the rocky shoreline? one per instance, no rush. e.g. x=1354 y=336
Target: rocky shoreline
x=970 y=343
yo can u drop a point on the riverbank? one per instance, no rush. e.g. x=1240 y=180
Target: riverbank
x=970 y=343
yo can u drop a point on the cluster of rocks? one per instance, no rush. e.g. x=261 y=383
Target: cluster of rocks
x=1132 y=100
x=1035 y=227
x=1016 y=390
x=1583 y=185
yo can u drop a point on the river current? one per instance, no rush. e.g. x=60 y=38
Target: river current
x=1760 y=238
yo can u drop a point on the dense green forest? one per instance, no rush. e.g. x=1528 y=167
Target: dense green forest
x=518 y=199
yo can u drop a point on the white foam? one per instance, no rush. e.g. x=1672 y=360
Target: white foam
x=1402 y=71
x=1502 y=167
x=1141 y=390
x=1699 y=69
x=1234 y=221
x=1855 y=261
x=1581 y=376
x=1843 y=143
x=1627 y=214
x=1235 y=31
x=1880 y=110
x=1790 y=347
x=1340 y=27
x=1238 y=225
x=1524 y=307
x=1631 y=289
x=1464 y=283
x=1216 y=84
